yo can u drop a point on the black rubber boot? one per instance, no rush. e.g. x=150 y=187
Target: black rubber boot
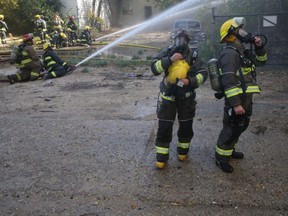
x=237 y=155
x=225 y=167
x=11 y=80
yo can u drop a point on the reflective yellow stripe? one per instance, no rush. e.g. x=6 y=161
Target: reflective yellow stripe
x=223 y=152
x=253 y=89
x=261 y=58
x=170 y=98
x=34 y=74
x=247 y=70
x=25 y=61
x=184 y=145
x=18 y=77
x=53 y=74
x=236 y=91
x=158 y=67
x=233 y=92
x=161 y=150
x=200 y=79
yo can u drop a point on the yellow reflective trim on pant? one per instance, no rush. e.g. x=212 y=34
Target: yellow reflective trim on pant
x=18 y=77
x=34 y=74
x=233 y=92
x=53 y=74
x=200 y=79
x=51 y=63
x=247 y=70
x=158 y=67
x=184 y=145
x=25 y=61
x=161 y=150
x=223 y=152
x=170 y=98
x=261 y=58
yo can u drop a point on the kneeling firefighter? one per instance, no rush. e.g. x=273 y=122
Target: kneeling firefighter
x=183 y=72
x=237 y=83
x=54 y=65
x=27 y=61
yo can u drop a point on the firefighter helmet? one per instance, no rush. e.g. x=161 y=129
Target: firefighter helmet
x=228 y=27
x=37 y=16
x=27 y=37
x=178 y=70
x=71 y=18
x=86 y=27
x=1 y=17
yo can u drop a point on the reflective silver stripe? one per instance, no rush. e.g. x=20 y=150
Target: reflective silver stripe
x=161 y=150
x=223 y=152
x=184 y=145
x=158 y=67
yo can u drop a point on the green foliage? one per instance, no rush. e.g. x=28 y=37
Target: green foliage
x=19 y=14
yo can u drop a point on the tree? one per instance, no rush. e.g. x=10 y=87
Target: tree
x=164 y=4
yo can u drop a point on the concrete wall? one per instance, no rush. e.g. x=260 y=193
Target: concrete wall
x=137 y=14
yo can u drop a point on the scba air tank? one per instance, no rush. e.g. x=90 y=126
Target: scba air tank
x=214 y=74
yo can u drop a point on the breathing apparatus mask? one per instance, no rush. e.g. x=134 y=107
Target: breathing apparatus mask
x=246 y=37
x=181 y=42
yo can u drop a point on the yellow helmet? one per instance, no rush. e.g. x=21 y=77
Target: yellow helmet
x=46 y=46
x=63 y=35
x=1 y=17
x=86 y=27
x=178 y=70
x=37 y=16
x=229 y=26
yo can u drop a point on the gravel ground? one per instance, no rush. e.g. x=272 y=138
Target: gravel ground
x=83 y=144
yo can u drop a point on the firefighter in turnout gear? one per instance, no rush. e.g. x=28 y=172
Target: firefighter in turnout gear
x=3 y=29
x=40 y=28
x=183 y=71
x=85 y=36
x=239 y=84
x=72 y=30
x=28 y=62
x=54 y=65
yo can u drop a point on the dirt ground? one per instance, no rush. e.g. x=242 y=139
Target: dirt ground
x=83 y=144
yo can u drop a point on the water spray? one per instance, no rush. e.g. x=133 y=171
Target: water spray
x=168 y=13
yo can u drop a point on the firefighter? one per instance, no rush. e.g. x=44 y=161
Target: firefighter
x=40 y=28
x=85 y=36
x=57 y=22
x=71 y=30
x=54 y=65
x=59 y=38
x=28 y=62
x=239 y=84
x=183 y=72
x=3 y=29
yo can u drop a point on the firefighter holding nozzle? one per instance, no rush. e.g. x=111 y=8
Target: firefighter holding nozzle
x=237 y=84
x=183 y=72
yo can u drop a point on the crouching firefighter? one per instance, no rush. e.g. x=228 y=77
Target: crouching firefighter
x=26 y=60
x=54 y=65
x=238 y=84
x=183 y=72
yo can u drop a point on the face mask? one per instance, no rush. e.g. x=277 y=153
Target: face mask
x=244 y=36
x=181 y=45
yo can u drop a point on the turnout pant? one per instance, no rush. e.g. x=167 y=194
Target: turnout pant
x=233 y=127
x=167 y=111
